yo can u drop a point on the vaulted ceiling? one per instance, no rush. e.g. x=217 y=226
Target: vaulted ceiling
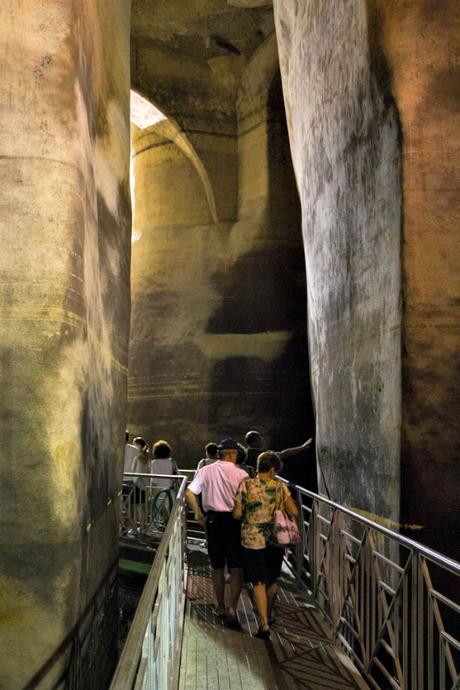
x=200 y=29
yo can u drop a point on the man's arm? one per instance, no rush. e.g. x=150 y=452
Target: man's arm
x=195 y=506
x=287 y=452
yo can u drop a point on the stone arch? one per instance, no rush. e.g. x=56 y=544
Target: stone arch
x=170 y=129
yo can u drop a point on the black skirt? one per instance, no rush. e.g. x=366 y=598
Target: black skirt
x=262 y=565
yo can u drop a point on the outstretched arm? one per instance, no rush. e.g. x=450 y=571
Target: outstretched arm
x=287 y=452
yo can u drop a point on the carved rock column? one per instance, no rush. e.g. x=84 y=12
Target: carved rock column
x=64 y=265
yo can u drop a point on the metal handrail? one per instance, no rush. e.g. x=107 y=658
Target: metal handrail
x=149 y=475
x=388 y=612
x=143 y=516
x=130 y=671
x=434 y=556
x=375 y=587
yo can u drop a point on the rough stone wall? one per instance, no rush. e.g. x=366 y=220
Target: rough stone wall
x=218 y=341
x=421 y=41
x=175 y=242
x=263 y=308
x=345 y=143
x=64 y=264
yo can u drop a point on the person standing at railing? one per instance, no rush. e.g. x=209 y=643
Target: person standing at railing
x=163 y=463
x=211 y=455
x=255 y=504
x=141 y=465
x=255 y=443
x=131 y=451
x=242 y=461
x=217 y=484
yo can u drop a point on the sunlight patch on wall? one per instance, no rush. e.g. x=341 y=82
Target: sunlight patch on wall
x=143 y=113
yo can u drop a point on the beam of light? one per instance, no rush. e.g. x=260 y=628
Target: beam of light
x=143 y=113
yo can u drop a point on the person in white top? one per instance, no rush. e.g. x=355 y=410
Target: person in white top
x=130 y=453
x=212 y=454
x=218 y=484
x=141 y=465
x=163 y=463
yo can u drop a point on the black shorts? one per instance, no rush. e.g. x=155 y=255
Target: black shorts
x=224 y=540
x=262 y=565
x=139 y=494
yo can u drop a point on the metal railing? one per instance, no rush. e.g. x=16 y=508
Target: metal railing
x=388 y=598
x=145 y=509
x=151 y=656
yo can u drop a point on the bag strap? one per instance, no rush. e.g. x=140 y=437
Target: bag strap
x=279 y=504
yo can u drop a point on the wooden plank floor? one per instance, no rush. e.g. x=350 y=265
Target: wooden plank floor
x=300 y=655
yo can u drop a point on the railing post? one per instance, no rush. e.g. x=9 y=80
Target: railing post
x=300 y=548
x=312 y=549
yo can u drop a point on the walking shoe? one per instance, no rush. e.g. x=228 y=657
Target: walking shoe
x=233 y=623
x=263 y=634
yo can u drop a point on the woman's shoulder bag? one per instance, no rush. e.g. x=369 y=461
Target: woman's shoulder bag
x=284 y=531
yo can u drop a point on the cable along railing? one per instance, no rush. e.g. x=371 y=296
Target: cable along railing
x=388 y=598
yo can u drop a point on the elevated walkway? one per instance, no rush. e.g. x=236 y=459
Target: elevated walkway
x=301 y=654
x=359 y=606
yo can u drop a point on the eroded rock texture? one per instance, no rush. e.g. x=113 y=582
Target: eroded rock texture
x=369 y=85
x=344 y=130
x=65 y=219
x=218 y=341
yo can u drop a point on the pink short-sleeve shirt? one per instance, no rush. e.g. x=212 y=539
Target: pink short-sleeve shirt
x=218 y=484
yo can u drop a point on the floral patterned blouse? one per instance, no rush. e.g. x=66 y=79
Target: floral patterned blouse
x=257 y=498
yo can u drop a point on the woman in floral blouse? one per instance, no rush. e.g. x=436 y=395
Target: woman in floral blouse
x=255 y=504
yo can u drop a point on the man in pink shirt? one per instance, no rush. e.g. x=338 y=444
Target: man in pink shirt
x=218 y=484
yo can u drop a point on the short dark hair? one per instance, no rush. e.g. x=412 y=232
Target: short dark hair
x=211 y=449
x=268 y=460
x=140 y=442
x=161 y=450
x=253 y=439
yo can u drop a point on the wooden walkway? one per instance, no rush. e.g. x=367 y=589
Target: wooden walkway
x=299 y=656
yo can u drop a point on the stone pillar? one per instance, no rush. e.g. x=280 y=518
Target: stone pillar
x=65 y=227
x=366 y=83
x=344 y=137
